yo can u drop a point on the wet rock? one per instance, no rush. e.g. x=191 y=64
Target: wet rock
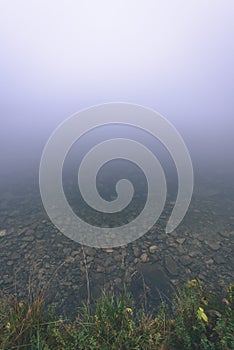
x=171 y=241
x=29 y=232
x=219 y=259
x=171 y=265
x=89 y=259
x=180 y=240
x=89 y=251
x=100 y=269
x=153 y=249
x=20 y=231
x=175 y=282
x=144 y=257
x=225 y=234
x=75 y=253
x=67 y=251
x=39 y=234
x=109 y=250
x=15 y=256
x=3 y=233
x=185 y=260
x=136 y=252
x=209 y=261
x=194 y=254
x=154 y=278
x=28 y=238
x=180 y=249
x=213 y=245
x=173 y=233
x=118 y=257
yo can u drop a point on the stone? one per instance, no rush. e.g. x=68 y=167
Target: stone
x=3 y=233
x=153 y=249
x=180 y=249
x=213 y=245
x=136 y=252
x=225 y=234
x=29 y=232
x=89 y=259
x=100 y=269
x=219 y=259
x=109 y=250
x=75 y=252
x=209 y=261
x=144 y=257
x=194 y=253
x=118 y=257
x=171 y=265
x=89 y=250
x=180 y=240
x=28 y=238
x=67 y=251
x=185 y=260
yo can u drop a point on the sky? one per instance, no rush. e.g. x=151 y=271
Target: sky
x=58 y=57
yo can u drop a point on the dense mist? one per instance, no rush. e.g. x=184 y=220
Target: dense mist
x=176 y=58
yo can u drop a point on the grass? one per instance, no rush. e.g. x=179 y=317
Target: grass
x=195 y=319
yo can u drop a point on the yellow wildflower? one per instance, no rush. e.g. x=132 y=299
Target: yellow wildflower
x=201 y=314
x=129 y=310
x=192 y=283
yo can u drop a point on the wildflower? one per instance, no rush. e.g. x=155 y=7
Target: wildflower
x=128 y=309
x=201 y=314
x=8 y=325
x=192 y=283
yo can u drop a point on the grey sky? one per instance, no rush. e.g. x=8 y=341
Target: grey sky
x=60 y=56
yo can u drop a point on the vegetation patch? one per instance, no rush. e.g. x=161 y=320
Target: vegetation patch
x=195 y=319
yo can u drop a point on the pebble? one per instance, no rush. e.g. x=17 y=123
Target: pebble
x=219 y=259
x=180 y=240
x=171 y=265
x=213 y=245
x=185 y=260
x=136 y=252
x=153 y=249
x=75 y=252
x=204 y=260
x=144 y=257
x=100 y=268
x=180 y=249
x=3 y=233
x=193 y=254
x=28 y=238
x=67 y=251
x=225 y=234
x=109 y=250
x=209 y=261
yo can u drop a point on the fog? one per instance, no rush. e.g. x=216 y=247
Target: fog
x=59 y=57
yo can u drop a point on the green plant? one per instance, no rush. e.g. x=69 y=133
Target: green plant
x=198 y=319
x=23 y=325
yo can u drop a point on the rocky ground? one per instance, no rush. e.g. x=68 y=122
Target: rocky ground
x=34 y=255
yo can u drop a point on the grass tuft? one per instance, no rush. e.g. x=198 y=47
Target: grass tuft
x=195 y=319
